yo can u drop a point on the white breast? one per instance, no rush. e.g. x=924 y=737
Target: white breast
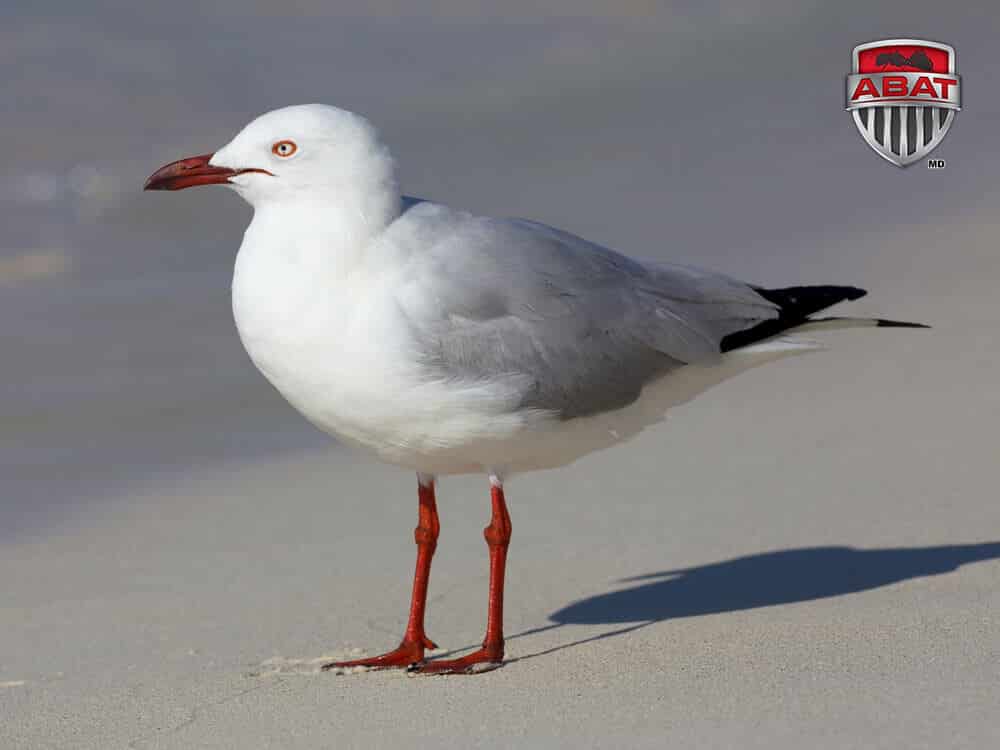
x=336 y=347
x=300 y=325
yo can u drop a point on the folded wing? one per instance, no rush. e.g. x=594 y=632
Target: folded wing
x=581 y=327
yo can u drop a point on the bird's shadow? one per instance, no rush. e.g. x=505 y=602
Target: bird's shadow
x=761 y=580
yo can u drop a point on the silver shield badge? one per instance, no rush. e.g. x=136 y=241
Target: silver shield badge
x=903 y=95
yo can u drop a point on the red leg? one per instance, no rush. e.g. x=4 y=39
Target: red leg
x=490 y=656
x=411 y=649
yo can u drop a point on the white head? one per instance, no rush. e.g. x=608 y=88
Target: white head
x=305 y=151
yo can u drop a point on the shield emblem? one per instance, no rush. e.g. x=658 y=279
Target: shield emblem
x=903 y=95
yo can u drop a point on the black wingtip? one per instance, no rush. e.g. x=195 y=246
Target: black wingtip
x=898 y=324
x=852 y=292
x=802 y=301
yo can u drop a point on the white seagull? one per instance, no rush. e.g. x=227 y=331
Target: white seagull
x=451 y=343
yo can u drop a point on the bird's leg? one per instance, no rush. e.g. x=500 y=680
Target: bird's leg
x=490 y=656
x=411 y=648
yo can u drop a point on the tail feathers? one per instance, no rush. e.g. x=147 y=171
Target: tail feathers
x=827 y=324
x=883 y=323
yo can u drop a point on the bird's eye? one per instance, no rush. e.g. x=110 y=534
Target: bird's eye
x=284 y=148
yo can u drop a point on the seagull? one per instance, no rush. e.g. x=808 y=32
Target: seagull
x=450 y=343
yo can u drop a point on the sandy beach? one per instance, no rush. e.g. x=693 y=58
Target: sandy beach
x=807 y=555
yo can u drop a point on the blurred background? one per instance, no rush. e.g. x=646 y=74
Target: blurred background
x=708 y=133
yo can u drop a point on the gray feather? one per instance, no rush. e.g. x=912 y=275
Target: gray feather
x=583 y=326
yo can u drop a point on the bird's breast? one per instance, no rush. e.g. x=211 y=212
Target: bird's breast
x=340 y=349
x=327 y=344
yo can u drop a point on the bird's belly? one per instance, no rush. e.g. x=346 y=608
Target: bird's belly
x=334 y=388
x=348 y=374
x=435 y=429
x=400 y=420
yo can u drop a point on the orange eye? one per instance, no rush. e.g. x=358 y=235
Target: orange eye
x=284 y=148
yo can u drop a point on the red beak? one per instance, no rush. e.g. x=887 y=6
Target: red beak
x=195 y=170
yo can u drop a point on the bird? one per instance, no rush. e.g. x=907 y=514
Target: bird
x=451 y=343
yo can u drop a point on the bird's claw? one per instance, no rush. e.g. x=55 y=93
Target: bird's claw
x=483 y=660
x=407 y=654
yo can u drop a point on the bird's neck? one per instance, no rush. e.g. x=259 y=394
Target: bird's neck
x=297 y=269
x=322 y=234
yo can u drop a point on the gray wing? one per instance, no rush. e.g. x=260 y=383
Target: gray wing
x=583 y=326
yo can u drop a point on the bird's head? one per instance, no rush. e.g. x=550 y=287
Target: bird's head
x=307 y=149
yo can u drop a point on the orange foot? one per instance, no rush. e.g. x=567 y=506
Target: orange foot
x=408 y=652
x=483 y=660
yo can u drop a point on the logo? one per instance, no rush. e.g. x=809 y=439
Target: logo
x=903 y=95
